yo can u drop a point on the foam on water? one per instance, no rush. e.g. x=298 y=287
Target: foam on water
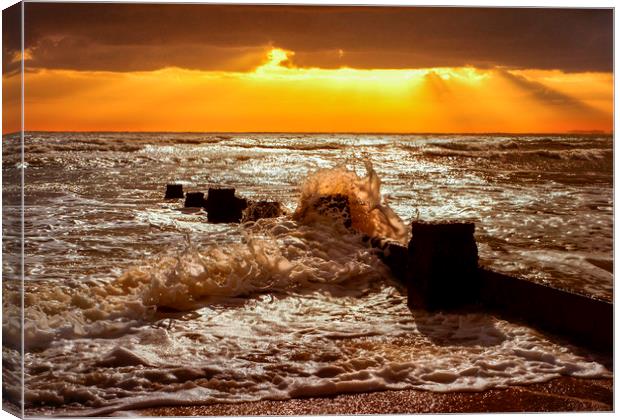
x=282 y=308
x=273 y=255
x=369 y=214
x=350 y=337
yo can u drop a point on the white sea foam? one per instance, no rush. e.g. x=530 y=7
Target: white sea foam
x=306 y=343
x=124 y=312
x=369 y=213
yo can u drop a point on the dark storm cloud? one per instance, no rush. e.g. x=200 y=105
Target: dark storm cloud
x=11 y=39
x=126 y=37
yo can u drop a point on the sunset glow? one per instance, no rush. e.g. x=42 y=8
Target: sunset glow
x=127 y=67
x=228 y=209
x=278 y=96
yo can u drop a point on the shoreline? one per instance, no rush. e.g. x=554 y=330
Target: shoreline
x=563 y=394
x=558 y=395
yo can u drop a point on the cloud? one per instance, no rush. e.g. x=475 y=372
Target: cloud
x=11 y=39
x=127 y=37
x=81 y=54
x=545 y=94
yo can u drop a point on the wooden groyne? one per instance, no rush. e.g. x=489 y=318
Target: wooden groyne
x=585 y=320
x=223 y=206
x=440 y=269
x=442 y=274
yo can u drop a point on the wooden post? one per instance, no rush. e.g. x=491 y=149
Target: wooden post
x=442 y=266
x=223 y=206
x=173 y=191
x=441 y=273
x=194 y=199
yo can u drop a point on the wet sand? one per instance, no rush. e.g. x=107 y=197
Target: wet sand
x=565 y=394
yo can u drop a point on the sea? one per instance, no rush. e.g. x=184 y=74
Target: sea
x=133 y=301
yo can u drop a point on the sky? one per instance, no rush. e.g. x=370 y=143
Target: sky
x=196 y=67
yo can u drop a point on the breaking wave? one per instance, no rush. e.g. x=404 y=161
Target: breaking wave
x=274 y=255
x=369 y=214
x=567 y=154
x=291 y=146
x=289 y=307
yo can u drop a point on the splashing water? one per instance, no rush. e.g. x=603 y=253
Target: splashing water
x=368 y=213
x=280 y=308
x=274 y=255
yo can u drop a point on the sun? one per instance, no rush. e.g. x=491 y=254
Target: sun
x=281 y=95
x=277 y=56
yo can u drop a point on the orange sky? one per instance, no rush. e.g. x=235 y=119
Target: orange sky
x=114 y=67
x=275 y=97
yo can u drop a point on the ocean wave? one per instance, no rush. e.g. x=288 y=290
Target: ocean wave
x=283 y=308
x=479 y=146
x=292 y=146
x=369 y=214
x=274 y=255
x=280 y=348
x=55 y=147
x=566 y=154
x=83 y=143
x=577 y=154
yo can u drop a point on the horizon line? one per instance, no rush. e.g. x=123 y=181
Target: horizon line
x=523 y=133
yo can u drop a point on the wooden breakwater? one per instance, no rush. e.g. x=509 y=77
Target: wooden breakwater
x=223 y=206
x=585 y=320
x=440 y=269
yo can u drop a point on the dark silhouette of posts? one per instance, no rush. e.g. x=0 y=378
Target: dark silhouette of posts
x=223 y=206
x=262 y=210
x=174 y=191
x=194 y=199
x=442 y=273
x=442 y=266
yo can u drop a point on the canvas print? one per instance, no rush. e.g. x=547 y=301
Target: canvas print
x=228 y=210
